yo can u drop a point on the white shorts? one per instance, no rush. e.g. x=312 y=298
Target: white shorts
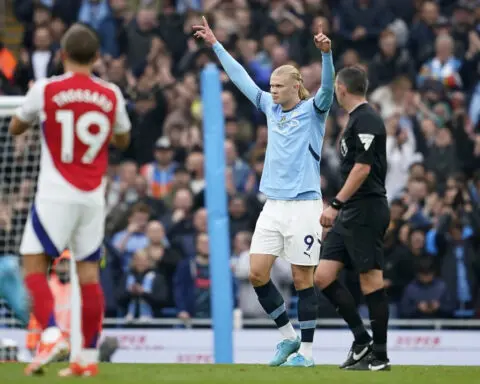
x=53 y=226
x=290 y=230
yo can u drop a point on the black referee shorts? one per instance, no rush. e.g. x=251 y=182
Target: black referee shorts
x=356 y=238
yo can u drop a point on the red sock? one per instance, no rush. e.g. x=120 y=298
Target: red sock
x=42 y=299
x=92 y=314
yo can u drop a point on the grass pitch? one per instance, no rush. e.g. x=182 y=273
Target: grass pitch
x=246 y=374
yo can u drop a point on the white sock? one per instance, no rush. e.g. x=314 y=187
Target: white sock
x=89 y=356
x=306 y=350
x=288 y=332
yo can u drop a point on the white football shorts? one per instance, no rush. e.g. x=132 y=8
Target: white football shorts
x=290 y=230
x=53 y=226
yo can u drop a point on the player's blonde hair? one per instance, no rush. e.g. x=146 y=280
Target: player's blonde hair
x=295 y=74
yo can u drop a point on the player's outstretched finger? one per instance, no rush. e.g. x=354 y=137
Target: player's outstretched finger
x=320 y=28
x=205 y=22
x=198 y=27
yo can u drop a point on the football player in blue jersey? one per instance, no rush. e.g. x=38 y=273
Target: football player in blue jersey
x=288 y=225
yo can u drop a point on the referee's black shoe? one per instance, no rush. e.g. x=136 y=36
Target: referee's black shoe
x=371 y=363
x=357 y=352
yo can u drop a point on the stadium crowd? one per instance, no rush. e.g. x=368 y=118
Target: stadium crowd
x=423 y=61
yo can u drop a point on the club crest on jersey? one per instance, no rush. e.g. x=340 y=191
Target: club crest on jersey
x=343 y=147
x=284 y=125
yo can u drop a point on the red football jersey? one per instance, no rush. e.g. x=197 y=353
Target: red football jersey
x=78 y=115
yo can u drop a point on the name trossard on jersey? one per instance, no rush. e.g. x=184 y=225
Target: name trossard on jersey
x=78 y=115
x=364 y=141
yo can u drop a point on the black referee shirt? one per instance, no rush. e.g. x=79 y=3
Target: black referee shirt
x=364 y=141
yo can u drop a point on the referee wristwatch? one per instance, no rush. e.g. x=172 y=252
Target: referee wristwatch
x=336 y=204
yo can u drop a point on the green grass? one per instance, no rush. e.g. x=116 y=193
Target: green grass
x=248 y=374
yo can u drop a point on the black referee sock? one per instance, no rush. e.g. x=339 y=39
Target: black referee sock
x=377 y=302
x=307 y=313
x=272 y=302
x=344 y=303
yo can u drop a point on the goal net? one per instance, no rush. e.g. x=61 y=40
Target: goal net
x=19 y=166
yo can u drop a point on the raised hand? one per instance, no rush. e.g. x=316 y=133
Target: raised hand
x=322 y=42
x=205 y=32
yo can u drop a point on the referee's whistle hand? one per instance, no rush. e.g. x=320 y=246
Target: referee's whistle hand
x=328 y=217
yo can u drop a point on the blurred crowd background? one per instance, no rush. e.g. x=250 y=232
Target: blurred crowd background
x=423 y=61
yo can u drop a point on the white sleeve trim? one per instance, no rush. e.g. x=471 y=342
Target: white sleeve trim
x=33 y=103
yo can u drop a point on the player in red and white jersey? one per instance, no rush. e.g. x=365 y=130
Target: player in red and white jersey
x=79 y=116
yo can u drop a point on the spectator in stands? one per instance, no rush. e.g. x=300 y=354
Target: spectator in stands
x=133 y=238
x=361 y=22
x=444 y=67
x=192 y=283
x=157 y=206
x=39 y=62
x=180 y=218
x=185 y=241
x=416 y=247
x=462 y=23
x=391 y=97
x=122 y=188
x=181 y=179
x=422 y=34
x=427 y=295
x=57 y=29
x=164 y=257
x=400 y=147
x=147 y=117
x=117 y=74
x=390 y=62
x=195 y=166
x=259 y=146
x=455 y=243
x=118 y=217
x=442 y=157
x=240 y=217
x=143 y=39
x=178 y=134
x=141 y=294
x=97 y=14
x=42 y=17
x=470 y=72
x=243 y=178
x=398 y=269
x=160 y=173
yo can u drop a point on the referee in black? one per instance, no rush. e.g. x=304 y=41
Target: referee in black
x=358 y=216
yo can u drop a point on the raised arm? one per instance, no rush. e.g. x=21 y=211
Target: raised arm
x=237 y=73
x=324 y=97
x=234 y=70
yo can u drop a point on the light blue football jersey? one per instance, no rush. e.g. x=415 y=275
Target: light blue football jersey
x=295 y=137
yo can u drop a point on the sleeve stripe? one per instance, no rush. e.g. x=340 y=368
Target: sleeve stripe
x=258 y=100
x=321 y=111
x=313 y=153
